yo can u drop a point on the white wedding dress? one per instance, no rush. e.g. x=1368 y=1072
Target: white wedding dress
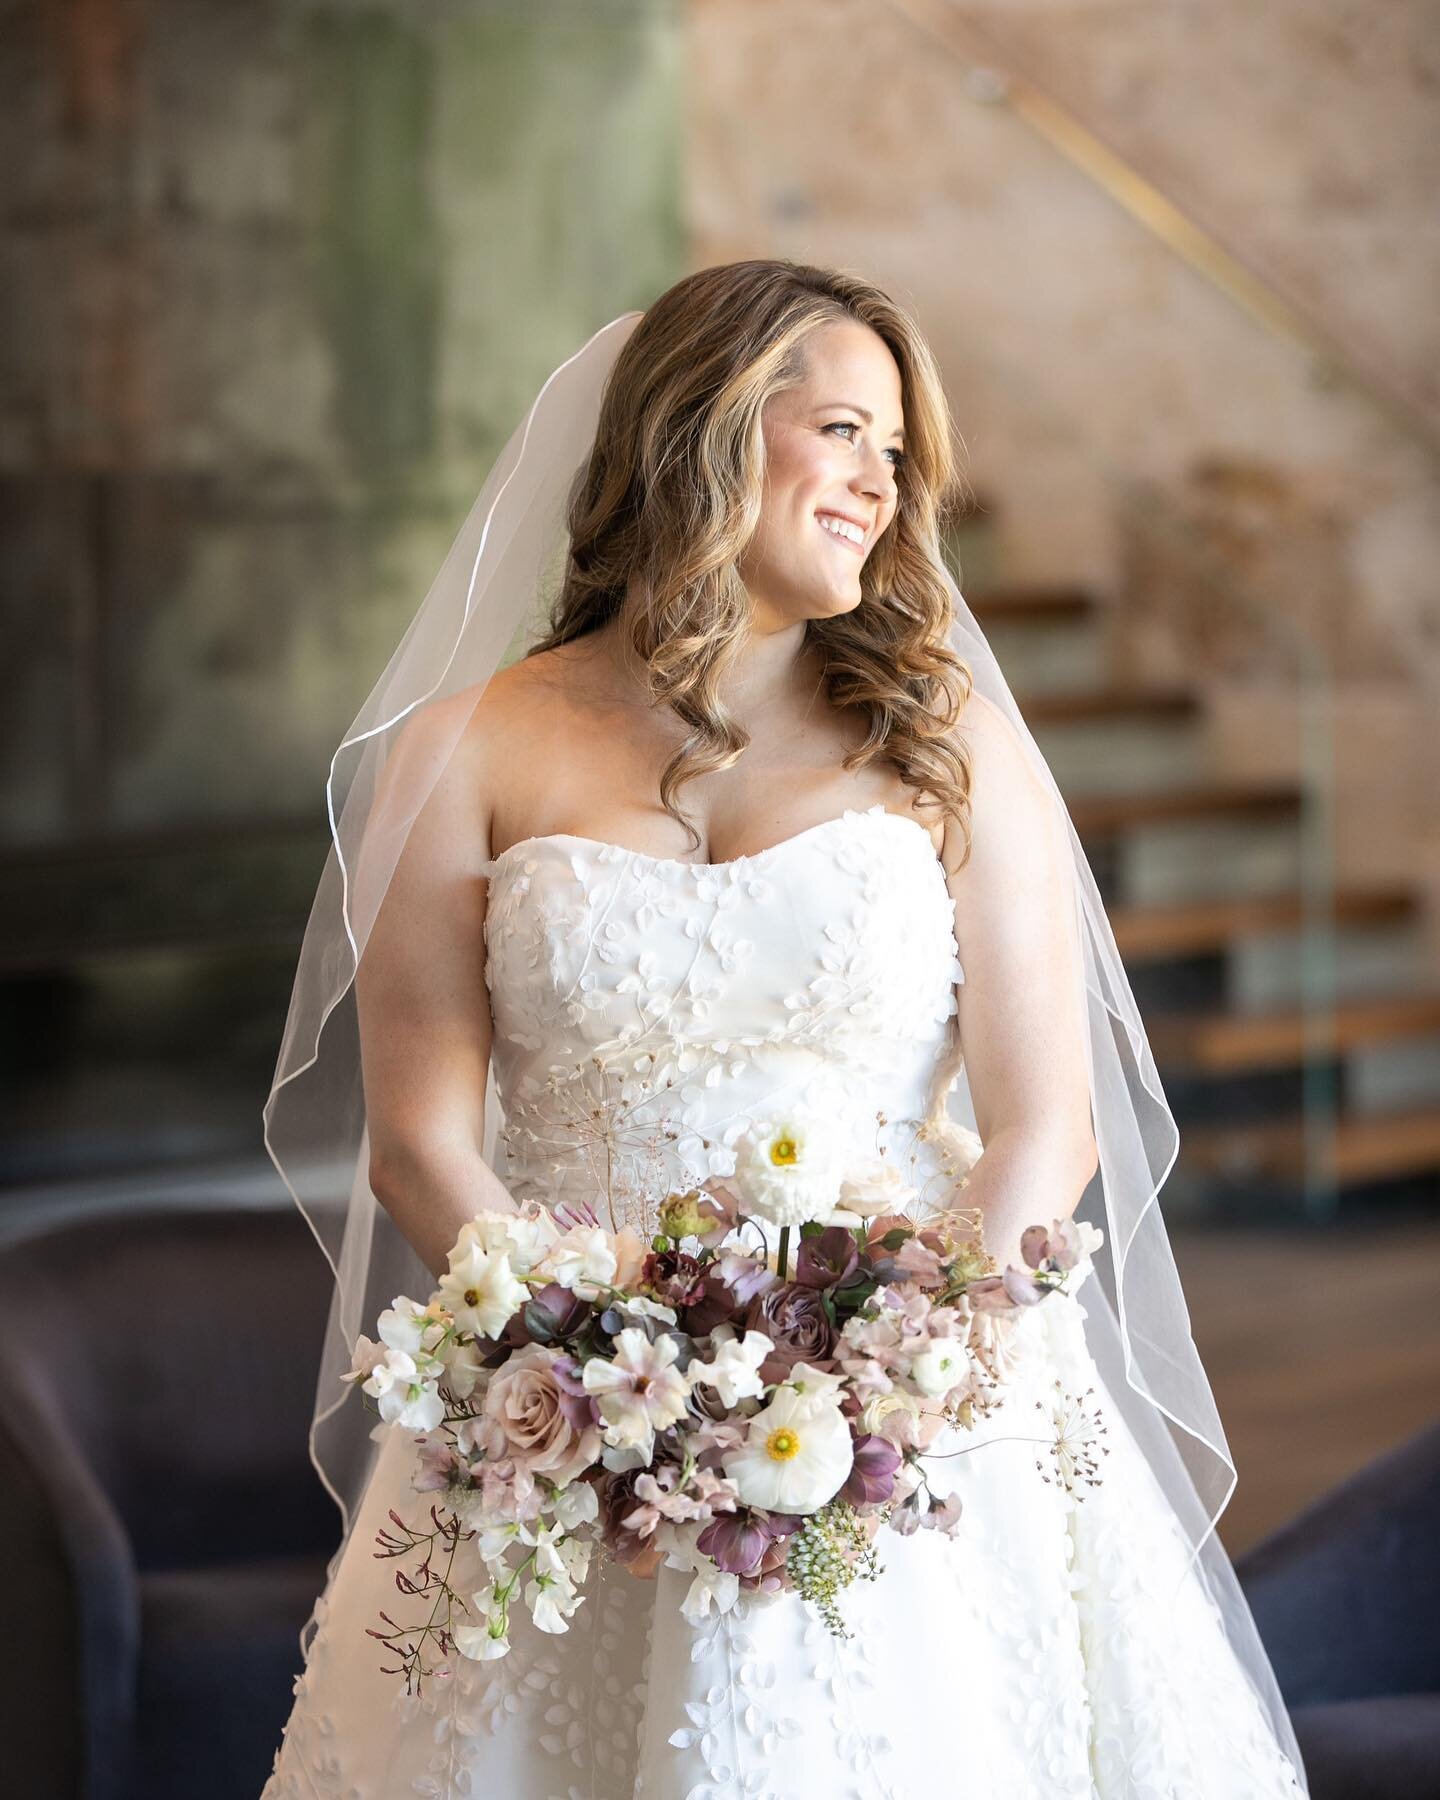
x=1053 y=1648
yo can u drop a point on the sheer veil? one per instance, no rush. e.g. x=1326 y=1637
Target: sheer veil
x=486 y=602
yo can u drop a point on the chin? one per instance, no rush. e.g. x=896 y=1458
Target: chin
x=835 y=604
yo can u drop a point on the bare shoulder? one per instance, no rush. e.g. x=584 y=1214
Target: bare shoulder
x=484 y=725
x=1015 y=819
x=519 y=707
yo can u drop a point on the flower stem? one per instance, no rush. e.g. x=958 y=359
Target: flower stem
x=784 y=1250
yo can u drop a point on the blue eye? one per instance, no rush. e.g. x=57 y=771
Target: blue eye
x=850 y=425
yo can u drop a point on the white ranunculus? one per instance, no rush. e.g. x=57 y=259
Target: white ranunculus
x=787 y=1170
x=482 y=1291
x=940 y=1366
x=583 y=1260
x=734 y=1367
x=796 y=1455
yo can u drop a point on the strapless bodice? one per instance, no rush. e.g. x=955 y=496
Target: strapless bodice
x=648 y=1010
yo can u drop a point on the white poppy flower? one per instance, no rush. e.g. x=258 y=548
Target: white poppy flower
x=787 y=1170
x=796 y=1455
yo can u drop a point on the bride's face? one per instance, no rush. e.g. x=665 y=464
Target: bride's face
x=833 y=447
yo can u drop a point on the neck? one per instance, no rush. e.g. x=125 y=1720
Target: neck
x=771 y=665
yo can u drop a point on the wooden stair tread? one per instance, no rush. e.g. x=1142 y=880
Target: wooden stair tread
x=1103 y=815
x=1221 y=1043
x=1187 y=928
x=1112 y=702
x=1365 y=1147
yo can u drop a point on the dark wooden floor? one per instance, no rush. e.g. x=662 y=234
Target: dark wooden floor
x=1322 y=1346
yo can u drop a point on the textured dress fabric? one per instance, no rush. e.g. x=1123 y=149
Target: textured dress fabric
x=646 y=1012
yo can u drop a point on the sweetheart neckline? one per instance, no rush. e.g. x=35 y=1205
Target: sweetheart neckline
x=735 y=862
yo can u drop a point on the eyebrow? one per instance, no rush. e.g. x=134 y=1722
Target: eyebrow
x=850 y=406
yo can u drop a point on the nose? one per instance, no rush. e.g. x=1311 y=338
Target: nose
x=875 y=478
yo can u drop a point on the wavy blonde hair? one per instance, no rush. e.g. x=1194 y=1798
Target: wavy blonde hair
x=670 y=497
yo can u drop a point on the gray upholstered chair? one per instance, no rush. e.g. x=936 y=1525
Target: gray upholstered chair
x=1347 y=1599
x=164 y=1535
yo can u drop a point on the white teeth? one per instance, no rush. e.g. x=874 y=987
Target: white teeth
x=841 y=527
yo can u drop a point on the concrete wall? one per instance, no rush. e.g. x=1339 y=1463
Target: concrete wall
x=282 y=278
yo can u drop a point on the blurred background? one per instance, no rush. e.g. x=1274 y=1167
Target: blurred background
x=281 y=277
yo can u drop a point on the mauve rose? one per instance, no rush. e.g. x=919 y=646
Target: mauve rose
x=795 y=1321
x=527 y=1418
x=828 y=1259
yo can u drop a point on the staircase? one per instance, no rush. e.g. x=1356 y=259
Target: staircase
x=1281 y=1108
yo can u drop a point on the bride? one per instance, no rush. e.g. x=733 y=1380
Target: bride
x=755 y=821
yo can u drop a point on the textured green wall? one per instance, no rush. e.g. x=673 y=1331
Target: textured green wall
x=351 y=241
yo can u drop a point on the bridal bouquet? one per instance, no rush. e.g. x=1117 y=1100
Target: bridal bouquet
x=727 y=1410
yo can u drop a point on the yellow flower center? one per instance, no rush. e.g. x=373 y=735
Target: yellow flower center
x=784 y=1151
x=782 y=1444
x=472 y=1296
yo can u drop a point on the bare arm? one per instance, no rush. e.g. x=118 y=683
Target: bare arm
x=1022 y=1022
x=425 y=1013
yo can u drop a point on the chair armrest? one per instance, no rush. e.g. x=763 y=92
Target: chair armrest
x=72 y=1604
x=1347 y=1594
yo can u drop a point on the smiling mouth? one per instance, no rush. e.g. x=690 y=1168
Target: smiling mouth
x=845 y=543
